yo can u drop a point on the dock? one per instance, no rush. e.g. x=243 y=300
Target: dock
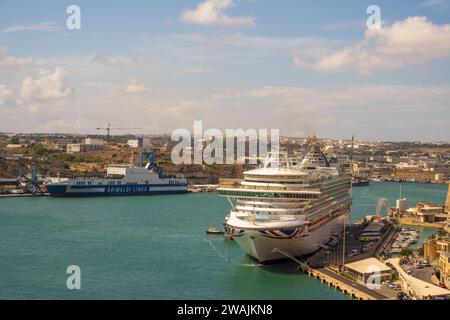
x=347 y=286
x=352 y=275
x=333 y=279
x=329 y=266
x=24 y=195
x=412 y=222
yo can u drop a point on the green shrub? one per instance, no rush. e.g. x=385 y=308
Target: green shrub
x=39 y=150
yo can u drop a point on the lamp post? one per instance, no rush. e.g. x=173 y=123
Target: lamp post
x=343 y=244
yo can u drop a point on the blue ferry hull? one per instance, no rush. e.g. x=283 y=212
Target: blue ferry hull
x=114 y=190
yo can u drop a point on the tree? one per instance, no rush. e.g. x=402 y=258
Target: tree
x=420 y=251
x=441 y=232
x=39 y=150
x=14 y=140
x=406 y=252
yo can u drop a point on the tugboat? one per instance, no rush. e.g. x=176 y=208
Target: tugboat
x=358 y=181
x=213 y=230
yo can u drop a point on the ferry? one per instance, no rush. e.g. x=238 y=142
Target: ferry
x=121 y=180
x=287 y=209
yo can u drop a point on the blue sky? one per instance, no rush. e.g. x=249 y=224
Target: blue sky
x=301 y=66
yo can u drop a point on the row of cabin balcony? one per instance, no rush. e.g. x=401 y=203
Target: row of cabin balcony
x=275 y=188
x=239 y=193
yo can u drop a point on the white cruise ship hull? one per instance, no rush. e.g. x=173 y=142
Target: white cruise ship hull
x=266 y=249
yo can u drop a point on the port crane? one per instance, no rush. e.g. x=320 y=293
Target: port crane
x=108 y=129
x=32 y=183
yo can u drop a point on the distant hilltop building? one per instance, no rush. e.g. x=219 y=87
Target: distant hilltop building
x=14 y=146
x=58 y=142
x=88 y=145
x=95 y=142
x=429 y=212
x=140 y=142
x=439 y=177
x=423 y=212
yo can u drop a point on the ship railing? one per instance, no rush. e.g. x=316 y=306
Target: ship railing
x=245 y=187
x=276 y=189
x=261 y=217
x=295 y=205
x=224 y=183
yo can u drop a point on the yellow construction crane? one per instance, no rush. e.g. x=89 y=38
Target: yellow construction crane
x=109 y=128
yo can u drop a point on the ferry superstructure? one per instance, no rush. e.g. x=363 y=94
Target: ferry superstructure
x=122 y=180
x=287 y=208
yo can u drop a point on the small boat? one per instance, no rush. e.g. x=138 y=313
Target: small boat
x=213 y=230
x=360 y=182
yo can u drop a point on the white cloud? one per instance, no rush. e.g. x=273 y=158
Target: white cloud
x=41 y=26
x=9 y=62
x=135 y=86
x=443 y=4
x=334 y=111
x=211 y=13
x=49 y=85
x=5 y=93
x=408 y=42
x=355 y=24
x=192 y=70
x=111 y=60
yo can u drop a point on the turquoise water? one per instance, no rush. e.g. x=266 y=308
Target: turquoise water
x=150 y=248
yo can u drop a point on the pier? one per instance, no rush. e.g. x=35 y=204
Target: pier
x=350 y=274
x=333 y=279
x=416 y=223
x=347 y=286
x=23 y=195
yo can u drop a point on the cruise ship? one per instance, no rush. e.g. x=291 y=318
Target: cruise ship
x=287 y=208
x=121 y=180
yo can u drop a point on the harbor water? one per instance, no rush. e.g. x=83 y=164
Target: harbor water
x=153 y=247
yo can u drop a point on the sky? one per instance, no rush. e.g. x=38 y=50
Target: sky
x=304 y=67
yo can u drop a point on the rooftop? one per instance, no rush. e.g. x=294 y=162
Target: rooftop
x=366 y=266
x=430 y=204
x=374 y=227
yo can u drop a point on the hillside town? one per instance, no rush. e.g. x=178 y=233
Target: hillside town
x=82 y=155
